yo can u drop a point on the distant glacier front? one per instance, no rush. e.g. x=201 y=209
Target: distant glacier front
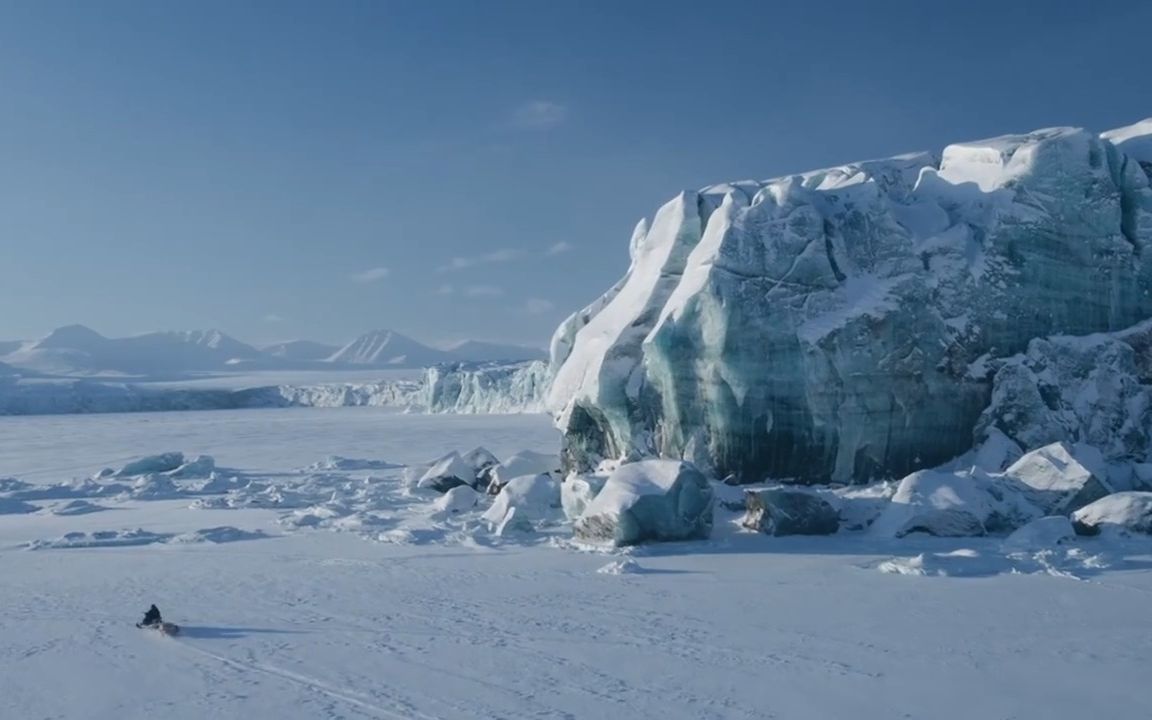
x=874 y=319
x=462 y=388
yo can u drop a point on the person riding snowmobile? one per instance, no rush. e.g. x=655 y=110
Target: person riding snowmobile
x=152 y=617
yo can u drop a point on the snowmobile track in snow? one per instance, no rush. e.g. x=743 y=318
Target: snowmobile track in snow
x=403 y=711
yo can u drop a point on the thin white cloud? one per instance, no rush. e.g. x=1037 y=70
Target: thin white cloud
x=560 y=248
x=273 y=318
x=535 y=114
x=445 y=289
x=483 y=291
x=371 y=275
x=502 y=255
x=538 y=306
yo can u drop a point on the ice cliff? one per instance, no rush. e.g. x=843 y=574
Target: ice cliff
x=843 y=324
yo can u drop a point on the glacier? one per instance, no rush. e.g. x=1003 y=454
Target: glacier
x=850 y=324
x=461 y=388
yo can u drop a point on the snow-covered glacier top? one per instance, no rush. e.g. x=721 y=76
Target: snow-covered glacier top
x=822 y=325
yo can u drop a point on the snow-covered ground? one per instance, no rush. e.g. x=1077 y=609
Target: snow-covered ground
x=355 y=598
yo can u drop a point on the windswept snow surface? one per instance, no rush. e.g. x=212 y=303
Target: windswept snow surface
x=385 y=606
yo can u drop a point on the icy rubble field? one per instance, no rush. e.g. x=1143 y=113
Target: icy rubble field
x=322 y=587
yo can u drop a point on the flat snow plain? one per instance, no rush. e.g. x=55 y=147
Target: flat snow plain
x=400 y=615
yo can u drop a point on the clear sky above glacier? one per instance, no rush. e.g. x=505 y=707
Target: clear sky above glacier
x=449 y=169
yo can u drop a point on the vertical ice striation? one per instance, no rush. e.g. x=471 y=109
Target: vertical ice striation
x=821 y=326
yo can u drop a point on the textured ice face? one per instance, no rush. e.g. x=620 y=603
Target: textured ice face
x=822 y=326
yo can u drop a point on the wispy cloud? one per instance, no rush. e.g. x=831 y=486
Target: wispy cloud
x=535 y=114
x=560 y=248
x=273 y=318
x=445 y=289
x=502 y=255
x=371 y=275
x=538 y=306
x=483 y=291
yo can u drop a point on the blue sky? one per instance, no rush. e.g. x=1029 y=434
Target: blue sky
x=461 y=169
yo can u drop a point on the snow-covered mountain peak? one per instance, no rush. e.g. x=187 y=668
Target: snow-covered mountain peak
x=387 y=347
x=72 y=337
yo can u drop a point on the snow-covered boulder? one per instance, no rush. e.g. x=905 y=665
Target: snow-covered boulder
x=952 y=505
x=446 y=473
x=1038 y=535
x=524 y=502
x=457 y=500
x=579 y=490
x=522 y=463
x=650 y=500
x=480 y=459
x=1062 y=478
x=164 y=462
x=789 y=512
x=824 y=326
x=1123 y=513
x=858 y=506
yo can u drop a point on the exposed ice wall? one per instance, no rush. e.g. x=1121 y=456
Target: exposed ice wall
x=821 y=326
x=472 y=389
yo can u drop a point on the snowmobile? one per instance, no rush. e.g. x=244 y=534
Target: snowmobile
x=152 y=621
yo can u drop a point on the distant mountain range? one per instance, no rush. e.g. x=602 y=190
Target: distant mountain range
x=78 y=350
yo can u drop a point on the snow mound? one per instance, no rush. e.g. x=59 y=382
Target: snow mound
x=627 y=566
x=100 y=539
x=343 y=464
x=457 y=500
x=78 y=489
x=958 y=563
x=202 y=466
x=1124 y=513
x=525 y=462
x=650 y=500
x=577 y=491
x=480 y=459
x=8 y=506
x=524 y=503
x=214 y=484
x=164 y=462
x=222 y=534
x=78 y=507
x=131 y=538
x=858 y=506
x=1043 y=534
x=446 y=473
x=1071 y=563
x=155 y=487
x=952 y=505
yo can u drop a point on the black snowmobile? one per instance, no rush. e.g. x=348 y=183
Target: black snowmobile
x=153 y=621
